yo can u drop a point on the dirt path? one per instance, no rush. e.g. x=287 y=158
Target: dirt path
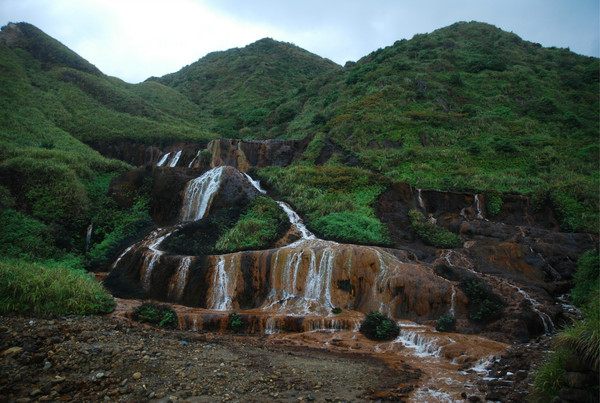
x=109 y=359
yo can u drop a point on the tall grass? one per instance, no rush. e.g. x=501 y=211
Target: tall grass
x=50 y=288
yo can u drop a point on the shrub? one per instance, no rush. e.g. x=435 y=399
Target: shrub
x=493 y=202
x=484 y=306
x=351 y=227
x=235 y=322
x=161 y=315
x=336 y=311
x=50 y=288
x=446 y=323
x=431 y=233
x=377 y=326
x=259 y=227
x=586 y=277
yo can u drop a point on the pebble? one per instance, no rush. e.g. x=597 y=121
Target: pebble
x=137 y=375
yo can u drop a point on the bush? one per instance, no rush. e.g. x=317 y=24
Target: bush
x=377 y=326
x=586 y=277
x=484 y=306
x=258 y=228
x=351 y=227
x=161 y=315
x=235 y=322
x=431 y=233
x=50 y=288
x=446 y=323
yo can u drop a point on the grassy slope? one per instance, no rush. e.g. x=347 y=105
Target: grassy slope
x=475 y=108
x=252 y=92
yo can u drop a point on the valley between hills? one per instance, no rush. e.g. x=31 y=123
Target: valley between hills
x=264 y=224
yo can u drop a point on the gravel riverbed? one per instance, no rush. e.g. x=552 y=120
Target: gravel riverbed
x=103 y=358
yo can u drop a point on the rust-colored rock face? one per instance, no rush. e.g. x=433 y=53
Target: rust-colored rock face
x=519 y=261
x=244 y=154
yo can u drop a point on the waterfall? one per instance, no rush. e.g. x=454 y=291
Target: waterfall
x=199 y=193
x=254 y=183
x=297 y=223
x=423 y=346
x=478 y=207
x=224 y=283
x=180 y=278
x=163 y=160
x=452 y=300
x=534 y=305
x=194 y=159
x=420 y=199
x=175 y=160
x=88 y=237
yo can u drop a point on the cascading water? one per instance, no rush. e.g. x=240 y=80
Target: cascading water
x=224 y=283
x=545 y=318
x=478 y=211
x=296 y=222
x=175 y=160
x=255 y=183
x=88 y=237
x=199 y=193
x=163 y=160
x=420 y=199
x=179 y=280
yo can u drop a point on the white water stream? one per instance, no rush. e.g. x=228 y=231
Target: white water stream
x=199 y=193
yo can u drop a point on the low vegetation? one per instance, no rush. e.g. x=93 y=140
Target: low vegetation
x=236 y=323
x=336 y=202
x=431 y=233
x=377 y=326
x=446 y=323
x=258 y=228
x=159 y=315
x=581 y=338
x=484 y=306
x=50 y=288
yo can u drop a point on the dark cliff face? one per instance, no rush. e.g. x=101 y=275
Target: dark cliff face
x=141 y=154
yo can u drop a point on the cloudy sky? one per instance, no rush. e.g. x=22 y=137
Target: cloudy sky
x=136 y=39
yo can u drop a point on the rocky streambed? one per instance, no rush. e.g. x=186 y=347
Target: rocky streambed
x=109 y=358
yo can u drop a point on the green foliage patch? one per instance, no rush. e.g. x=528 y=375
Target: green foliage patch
x=446 y=323
x=484 y=305
x=432 y=234
x=377 y=326
x=259 y=227
x=50 y=288
x=160 y=315
x=236 y=322
x=337 y=202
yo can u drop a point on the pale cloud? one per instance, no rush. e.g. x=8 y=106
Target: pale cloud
x=136 y=39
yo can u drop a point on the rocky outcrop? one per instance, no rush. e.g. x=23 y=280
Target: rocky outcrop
x=140 y=154
x=244 y=154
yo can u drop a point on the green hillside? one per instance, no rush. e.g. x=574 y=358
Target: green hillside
x=467 y=107
x=251 y=92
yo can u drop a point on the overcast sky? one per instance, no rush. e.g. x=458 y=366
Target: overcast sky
x=136 y=39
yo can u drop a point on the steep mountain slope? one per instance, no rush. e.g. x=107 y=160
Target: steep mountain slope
x=253 y=91
x=468 y=107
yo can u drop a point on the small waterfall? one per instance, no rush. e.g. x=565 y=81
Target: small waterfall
x=199 y=193
x=420 y=199
x=544 y=317
x=272 y=326
x=150 y=260
x=224 y=283
x=478 y=206
x=175 y=160
x=297 y=222
x=121 y=256
x=163 y=160
x=88 y=237
x=254 y=183
x=452 y=298
x=194 y=159
x=423 y=346
x=179 y=279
